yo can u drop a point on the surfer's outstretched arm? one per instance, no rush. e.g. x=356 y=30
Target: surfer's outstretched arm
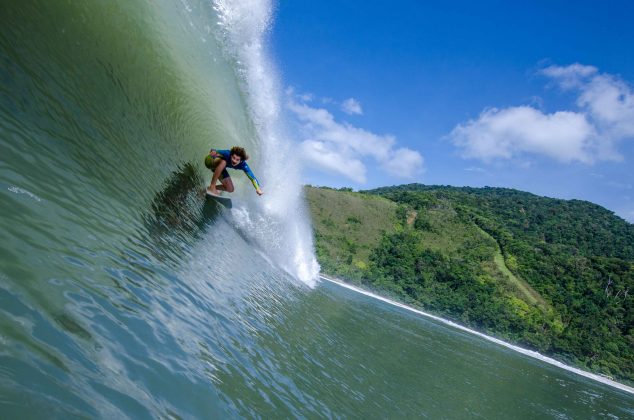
x=252 y=178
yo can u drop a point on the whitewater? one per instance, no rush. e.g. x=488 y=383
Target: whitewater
x=125 y=294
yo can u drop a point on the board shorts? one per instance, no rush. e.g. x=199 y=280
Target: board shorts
x=212 y=163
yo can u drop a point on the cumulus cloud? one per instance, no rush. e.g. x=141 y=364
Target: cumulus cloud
x=610 y=103
x=403 y=163
x=344 y=149
x=505 y=133
x=319 y=154
x=351 y=107
x=569 y=76
x=605 y=117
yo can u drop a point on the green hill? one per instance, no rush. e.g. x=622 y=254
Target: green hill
x=347 y=228
x=552 y=275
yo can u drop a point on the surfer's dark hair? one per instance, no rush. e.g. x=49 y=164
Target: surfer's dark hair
x=239 y=151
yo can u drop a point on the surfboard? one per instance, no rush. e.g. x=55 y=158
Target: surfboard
x=225 y=201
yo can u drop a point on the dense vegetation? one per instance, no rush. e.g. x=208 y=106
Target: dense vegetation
x=553 y=275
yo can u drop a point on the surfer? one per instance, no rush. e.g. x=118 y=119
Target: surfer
x=219 y=160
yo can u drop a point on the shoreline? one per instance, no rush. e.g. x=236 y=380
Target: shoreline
x=530 y=353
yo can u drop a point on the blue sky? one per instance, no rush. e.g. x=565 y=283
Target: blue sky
x=538 y=97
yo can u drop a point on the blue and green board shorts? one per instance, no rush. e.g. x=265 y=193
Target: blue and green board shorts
x=212 y=163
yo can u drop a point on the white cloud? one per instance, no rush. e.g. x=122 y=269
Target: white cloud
x=351 y=107
x=321 y=155
x=610 y=103
x=506 y=133
x=304 y=97
x=569 y=76
x=343 y=148
x=606 y=99
x=403 y=163
x=605 y=117
x=321 y=125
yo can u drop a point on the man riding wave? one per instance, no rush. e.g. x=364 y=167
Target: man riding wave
x=219 y=160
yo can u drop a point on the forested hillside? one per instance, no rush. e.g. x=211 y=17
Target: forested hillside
x=552 y=275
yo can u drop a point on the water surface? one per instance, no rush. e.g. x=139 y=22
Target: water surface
x=124 y=294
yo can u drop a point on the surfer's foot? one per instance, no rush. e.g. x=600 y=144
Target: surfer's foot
x=214 y=191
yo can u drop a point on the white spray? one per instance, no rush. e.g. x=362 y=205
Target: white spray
x=277 y=221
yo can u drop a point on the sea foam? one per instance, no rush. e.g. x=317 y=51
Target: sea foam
x=277 y=221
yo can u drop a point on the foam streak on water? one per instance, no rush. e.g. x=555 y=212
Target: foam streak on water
x=278 y=221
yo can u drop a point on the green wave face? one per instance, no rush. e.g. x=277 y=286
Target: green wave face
x=102 y=105
x=107 y=110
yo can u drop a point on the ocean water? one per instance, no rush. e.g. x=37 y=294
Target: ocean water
x=125 y=294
